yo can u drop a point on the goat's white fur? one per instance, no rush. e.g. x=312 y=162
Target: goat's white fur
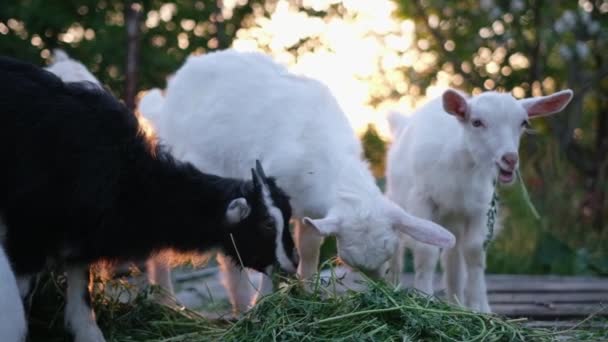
x=151 y=104
x=13 y=327
x=441 y=167
x=70 y=70
x=226 y=109
x=80 y=317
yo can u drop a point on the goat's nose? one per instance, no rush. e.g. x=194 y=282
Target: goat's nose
x=510 y=159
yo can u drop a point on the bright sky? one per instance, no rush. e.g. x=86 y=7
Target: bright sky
x=353 y=53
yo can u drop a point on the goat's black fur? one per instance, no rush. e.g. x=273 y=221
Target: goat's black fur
x=80 y=182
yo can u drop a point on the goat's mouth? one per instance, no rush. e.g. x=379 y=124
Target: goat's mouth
x=505 y=176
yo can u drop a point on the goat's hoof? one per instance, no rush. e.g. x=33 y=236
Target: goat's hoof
x=480 y=307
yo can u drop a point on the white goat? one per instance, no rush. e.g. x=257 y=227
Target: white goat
x=151 y=104
x=252 y=108
x=70 y=70
x=442 y=166
x=13 y=327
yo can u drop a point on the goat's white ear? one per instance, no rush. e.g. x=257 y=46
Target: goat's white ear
x=237 y=210
x=420 y=229
x=325 y=226
x=60 y=55
x=546 y=105
x=454 y=103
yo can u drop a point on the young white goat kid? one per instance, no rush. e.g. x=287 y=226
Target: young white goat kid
x=253 y=109
x=442 y=166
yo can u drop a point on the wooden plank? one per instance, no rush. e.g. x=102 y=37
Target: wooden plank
x=546 y=277
x=567 y=324
x=549 y=297
x=518 y=283
x=527 y=283
x=559 y=310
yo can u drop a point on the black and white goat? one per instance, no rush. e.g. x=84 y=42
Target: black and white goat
x=80 y=183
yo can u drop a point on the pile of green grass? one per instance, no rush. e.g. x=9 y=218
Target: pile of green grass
x=291 y=314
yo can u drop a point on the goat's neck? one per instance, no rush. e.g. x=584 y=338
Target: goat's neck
x=461 y=157
x=180 y=207
x=355 y=181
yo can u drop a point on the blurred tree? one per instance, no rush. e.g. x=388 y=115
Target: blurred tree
x=93 y=31
x=533 y=47
x=374 y=150
x=133 y=14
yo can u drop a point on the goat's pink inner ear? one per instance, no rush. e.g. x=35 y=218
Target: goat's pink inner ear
x=547 y=105
x=455 y=104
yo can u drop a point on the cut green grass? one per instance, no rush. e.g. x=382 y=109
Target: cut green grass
x=381 y=313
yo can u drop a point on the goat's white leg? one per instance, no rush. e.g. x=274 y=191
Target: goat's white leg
x=454 y=269
x=395 y=264
x=237 y=283
x=308 y=242
x=159 y=273
x=425 y=256
x=13 y=327
x=264 y=288
x=476 y=297
x=24 y=283
x=425 y=261
x=79 y=316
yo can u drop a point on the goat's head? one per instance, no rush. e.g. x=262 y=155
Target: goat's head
x=367 y=238
x=260 y=236
x=493 y=125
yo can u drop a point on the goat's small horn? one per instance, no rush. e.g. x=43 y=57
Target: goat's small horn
x=259 y=169
x=255 y=178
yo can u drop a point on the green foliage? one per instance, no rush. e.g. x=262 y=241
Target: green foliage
x=527 y=245
x=93 y=32
x=374 y=150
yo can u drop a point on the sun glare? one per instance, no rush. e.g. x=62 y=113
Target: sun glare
x=351 y=53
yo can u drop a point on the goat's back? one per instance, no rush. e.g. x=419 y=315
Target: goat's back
x=226 y=109
x=65 y=147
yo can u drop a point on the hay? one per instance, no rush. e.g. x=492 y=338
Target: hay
x=290 y=314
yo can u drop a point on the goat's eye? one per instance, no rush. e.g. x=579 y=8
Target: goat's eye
x=269 y=224
x=525 y=124
x=477 y=123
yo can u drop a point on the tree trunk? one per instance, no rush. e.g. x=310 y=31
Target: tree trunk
x=535 y=53
x=222 y=40
x=133 y=14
